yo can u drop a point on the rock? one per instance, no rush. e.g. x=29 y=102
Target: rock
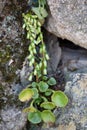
x=71 y=126
x=12 y=118
x=25 y=72
x=2 y=5
x=54 y=52
x=13 y=50
x=74 y=60
x=68 y=20
x=76 y=111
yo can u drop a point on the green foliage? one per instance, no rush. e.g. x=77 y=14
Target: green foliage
x=43 y=86
x=34 y=34
x=48 y=105
x=48 y=116
x=26 y=95
x=52 y=81
x=34 y=117
x=60 y=99
x=43 y=99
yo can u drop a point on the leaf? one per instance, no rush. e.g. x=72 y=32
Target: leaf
x=47 y=57
x=24 y=26
x=35 y=90
x=34 y=84
x=48 y=105
x=48 y=116
x=38 y=101
x=30 y=77
x=34 y=117
x=48 y=92
x=44 y=78
x=43 y=86
x=29 y=109
x=52 y=81
x=37 y=12
x=43 y=12
x=26 y=95
x=45 y=71
x=60 y=99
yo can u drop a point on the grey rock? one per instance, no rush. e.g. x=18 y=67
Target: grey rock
x=12 y=119
x=25 y=72
x=2 y=5
x=76 y=110
x=12 y=54
x=74 y=60
x=54 y=51
x=68 y=20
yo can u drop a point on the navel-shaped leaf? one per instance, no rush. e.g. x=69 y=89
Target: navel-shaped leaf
x=48 y=105
x=60 y=99
x=35 y=90
x=48 y=92
x=48 y=116
x=34 y=117
x=38 y=101
x=29 y=109
x=51 y=81
x=34 y=84
x=43 y=86
x=44 y=78
x=26 y=95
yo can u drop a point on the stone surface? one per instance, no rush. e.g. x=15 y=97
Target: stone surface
x=25 y=72
x=13 y=48
x=54 y=52
x=12 y=119
x=76 y=111
x=68 y=20
x=74 y=59
x=2 y=5
x=71 y=126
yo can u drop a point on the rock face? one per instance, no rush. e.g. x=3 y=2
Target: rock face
x=54 y=52
x=76 y=111
x=12 y=118
x=12 y=55
x=68 y=20
x=74 y=60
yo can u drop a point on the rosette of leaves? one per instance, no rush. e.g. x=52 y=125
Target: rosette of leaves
x=43 y=101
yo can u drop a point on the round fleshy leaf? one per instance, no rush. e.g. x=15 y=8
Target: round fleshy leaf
x=52 y=81
x=45 y=78
x=48 y=92
x=48 y=105
x=26 y=95
x=48 y=116
x=34 y=84
x=29 y=109
x=35 y=90
x=60 y=99
x=43 y=86
x=34 y=117
x=38 y=101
